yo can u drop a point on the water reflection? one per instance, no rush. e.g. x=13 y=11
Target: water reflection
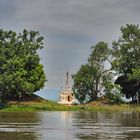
x=57 y=126
x=107 y=125
x=18 y=126
x=70 y=126
x=17 y=136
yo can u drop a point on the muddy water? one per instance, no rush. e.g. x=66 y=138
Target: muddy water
x=70 y=126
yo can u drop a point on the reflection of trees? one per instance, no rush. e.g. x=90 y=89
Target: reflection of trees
x=18 y=126
x=19 y=117
x=133 y=135
x=131 y=119
x=85 y=117
x=107 y=125
x=125 y=118
x=88 y=137
x=96 y=117
x=17 y=136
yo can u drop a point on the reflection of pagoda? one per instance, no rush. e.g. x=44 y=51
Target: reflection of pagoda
x=66 y=95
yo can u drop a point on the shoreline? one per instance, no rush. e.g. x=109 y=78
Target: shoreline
x=45 y=105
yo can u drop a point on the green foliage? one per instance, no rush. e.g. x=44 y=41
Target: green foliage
x=88 y=80
x=126 y=52
x=98 y=58
x=125 y=62
x=112 y=91
x=99 y=55
x=83 y=83
x=135 y=74
x=20 y=70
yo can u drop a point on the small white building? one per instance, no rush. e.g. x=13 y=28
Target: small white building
x=66 y=95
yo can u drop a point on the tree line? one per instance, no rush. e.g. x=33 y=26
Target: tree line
x=111 y=71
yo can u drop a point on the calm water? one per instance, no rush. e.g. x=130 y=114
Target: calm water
x=70 y=126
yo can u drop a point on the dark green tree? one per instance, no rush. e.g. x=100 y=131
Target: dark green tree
x=21 y=73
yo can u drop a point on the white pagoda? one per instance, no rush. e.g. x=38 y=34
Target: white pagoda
x=66 y=94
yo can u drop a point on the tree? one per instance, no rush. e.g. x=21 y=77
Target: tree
x=129 y=87
x=98 y=58
x=88 y=80
x=112 y=91
x=21 y=73
x=126 y=52
x=83 y=83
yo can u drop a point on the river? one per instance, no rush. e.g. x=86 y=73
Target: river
x=70 y=126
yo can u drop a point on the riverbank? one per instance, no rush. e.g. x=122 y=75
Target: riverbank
x=45 y=105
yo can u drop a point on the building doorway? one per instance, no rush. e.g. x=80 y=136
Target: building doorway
x=69 y=98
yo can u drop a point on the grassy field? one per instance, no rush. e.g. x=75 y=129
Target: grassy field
x=45 y=105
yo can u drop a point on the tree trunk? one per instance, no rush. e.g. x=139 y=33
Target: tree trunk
x=96 y=89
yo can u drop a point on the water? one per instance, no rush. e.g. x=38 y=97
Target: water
x=70 y=126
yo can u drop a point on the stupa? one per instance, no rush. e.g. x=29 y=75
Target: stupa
x=66 y=94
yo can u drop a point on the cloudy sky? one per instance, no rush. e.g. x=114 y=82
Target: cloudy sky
x=70 y=28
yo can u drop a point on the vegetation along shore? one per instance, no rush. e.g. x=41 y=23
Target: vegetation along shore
x=45 y=105
x=111 y=72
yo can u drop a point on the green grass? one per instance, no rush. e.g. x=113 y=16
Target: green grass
x=53 y=106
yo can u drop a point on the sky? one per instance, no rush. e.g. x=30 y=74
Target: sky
x=69 y=28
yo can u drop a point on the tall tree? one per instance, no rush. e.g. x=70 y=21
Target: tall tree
x=21 y=73
x=98 y=59
x=84 y=83
x=126 y=52
x=88 y=80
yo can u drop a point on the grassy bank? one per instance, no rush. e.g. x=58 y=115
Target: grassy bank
x=52 y=106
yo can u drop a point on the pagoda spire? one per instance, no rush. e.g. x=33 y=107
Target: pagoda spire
x=67 y=80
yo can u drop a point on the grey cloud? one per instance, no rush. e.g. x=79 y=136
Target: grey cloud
x=7 y=9
x=70 y=27
x=84 y=17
